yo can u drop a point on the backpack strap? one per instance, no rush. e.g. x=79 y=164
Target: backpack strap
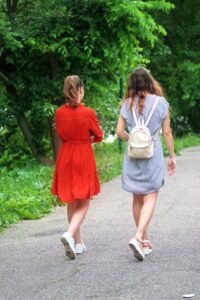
x=138 y=121
x=134 y=116
x=141 y=120
x=152 y=111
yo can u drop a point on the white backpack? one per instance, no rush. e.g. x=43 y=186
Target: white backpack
x=141 y=142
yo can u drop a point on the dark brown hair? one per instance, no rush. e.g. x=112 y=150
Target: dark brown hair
x=71 y=86
x=140 y=82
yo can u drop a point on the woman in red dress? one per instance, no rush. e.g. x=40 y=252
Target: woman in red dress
x=75 y=178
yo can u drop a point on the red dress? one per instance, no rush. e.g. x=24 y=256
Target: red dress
x=75 y=175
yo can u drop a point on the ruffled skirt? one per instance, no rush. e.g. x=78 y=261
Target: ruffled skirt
x=75 y=175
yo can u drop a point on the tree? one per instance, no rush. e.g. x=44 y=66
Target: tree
x=176 y=63
x=43 y=41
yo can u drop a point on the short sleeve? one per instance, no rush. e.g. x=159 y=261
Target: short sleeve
x=57 y=122
x=124 y=110
x=164 y=108
x=95 y=128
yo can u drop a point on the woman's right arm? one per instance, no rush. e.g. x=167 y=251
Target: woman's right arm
x=95 y=129
x=120 y=130
x=169 y=141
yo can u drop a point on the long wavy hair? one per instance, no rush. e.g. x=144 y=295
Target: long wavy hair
x=72 y=84
x=140 y=82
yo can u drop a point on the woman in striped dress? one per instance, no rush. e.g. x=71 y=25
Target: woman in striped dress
x=144 y=177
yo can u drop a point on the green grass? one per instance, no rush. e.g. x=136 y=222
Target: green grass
x=180 y=143
x=109 y=160
x=26 y=193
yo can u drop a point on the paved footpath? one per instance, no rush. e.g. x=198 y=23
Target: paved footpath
x=33 y=265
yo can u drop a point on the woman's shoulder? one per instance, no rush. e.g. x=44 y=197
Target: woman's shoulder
x=61 y=108
x=154 y=96
x=65 y=107
x=89 y=110
x=163 y=106
x=125 y=103
x=125 y=109
x=162 y=101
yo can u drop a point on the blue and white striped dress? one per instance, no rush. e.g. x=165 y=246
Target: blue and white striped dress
x=144 y=176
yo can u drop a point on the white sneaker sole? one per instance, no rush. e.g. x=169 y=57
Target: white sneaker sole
x=80 y=252
x=147 y=251
x=68 y=250
x=136 y=250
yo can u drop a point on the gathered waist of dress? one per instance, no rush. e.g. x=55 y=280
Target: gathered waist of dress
x=76 y=142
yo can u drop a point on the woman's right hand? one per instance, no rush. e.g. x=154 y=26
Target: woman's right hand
x=171 y=166
x=92 y=139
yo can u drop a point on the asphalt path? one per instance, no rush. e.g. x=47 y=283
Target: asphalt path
x=33 y=265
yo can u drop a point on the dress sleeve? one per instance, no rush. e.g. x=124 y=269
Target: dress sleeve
x=124 y=110
x=57 y=123
x=165 y=108
x=95 y=128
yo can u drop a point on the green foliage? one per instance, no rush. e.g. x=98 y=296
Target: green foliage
x=176 y=64
x=109 y=160
x=43 y=41
x=14 y=151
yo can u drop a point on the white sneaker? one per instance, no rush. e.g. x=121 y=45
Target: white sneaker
x=80 y=248
x=147 y=247
x=69 y=244
x=135 y=245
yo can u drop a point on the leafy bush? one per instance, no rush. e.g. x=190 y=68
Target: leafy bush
x=180 y=126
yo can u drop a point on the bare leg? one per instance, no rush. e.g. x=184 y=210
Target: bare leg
x=78 y=216
x=146 y=213
x=71 y=207
x=70 y=211
x=138 y=201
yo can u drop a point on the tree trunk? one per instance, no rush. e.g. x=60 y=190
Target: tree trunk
x=11 y=7
x=23 y=124
x=55 y=140
x=54 y=64
x=21 y=118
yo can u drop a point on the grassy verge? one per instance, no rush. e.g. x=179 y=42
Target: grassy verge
x=109 y=160
x=26 y=193
x=190 y=140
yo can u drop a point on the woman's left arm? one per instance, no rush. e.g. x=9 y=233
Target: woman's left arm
x=120 y=130
x=95 y=129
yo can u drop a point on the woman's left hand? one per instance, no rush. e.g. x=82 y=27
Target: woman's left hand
x=91 y=138
x=171 y=166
